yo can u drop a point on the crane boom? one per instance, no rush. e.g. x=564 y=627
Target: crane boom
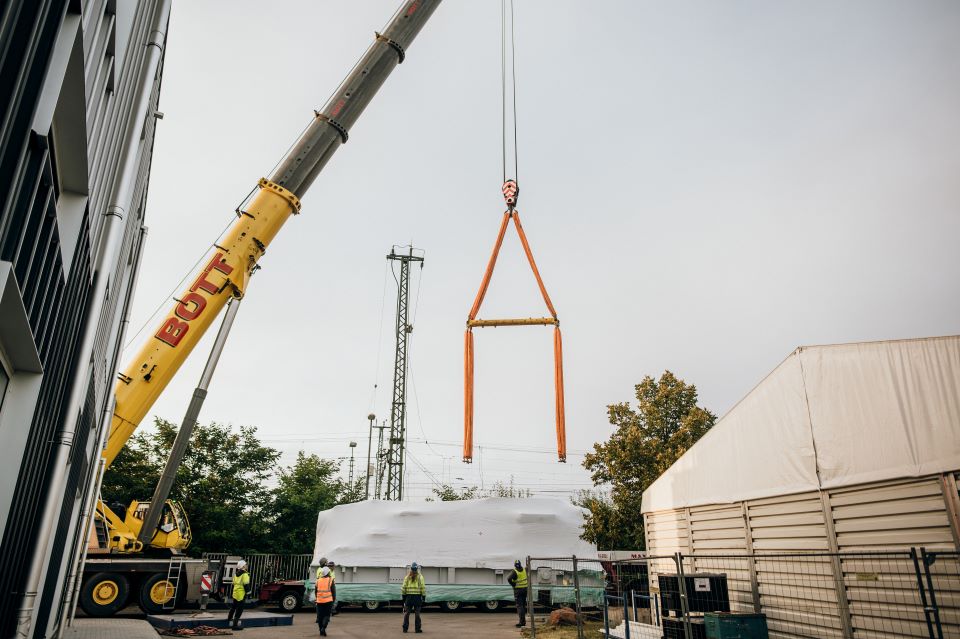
x=226 y=273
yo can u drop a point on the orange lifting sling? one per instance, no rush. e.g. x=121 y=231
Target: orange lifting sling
x=510 y=192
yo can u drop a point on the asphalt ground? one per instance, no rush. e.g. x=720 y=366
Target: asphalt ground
x=357 y=624
x=354 y=623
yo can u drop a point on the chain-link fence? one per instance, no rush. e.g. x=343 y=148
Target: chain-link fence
x=903 y=594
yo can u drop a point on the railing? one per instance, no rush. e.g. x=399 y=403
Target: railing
x=264 y=568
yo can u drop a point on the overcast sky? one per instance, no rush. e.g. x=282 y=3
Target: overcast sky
x=705 y=185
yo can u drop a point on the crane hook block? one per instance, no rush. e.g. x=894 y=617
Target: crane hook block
x=510 y=191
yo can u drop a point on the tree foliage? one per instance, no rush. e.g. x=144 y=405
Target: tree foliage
x=224 y=483
x=665 y=423
x=446 y=492
x=312 y=484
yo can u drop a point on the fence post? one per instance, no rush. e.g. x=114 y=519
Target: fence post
x=836 y=567
x=606 y=615
x=576 y=594
x=626 y=619
x=923 y=594
x=531 y=602
x=748 y=534
x=684 y=602
x=928 y=560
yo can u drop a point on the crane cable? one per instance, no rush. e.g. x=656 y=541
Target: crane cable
x=511 y=191
x=503 y=89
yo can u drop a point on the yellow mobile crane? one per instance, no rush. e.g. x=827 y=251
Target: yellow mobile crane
x=121 y=543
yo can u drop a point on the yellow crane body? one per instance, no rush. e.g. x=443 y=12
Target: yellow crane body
x=225 y=274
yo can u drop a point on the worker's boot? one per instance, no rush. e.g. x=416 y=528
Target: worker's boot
x=236 y=626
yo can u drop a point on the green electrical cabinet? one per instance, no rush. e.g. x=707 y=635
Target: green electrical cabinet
x=727 y=625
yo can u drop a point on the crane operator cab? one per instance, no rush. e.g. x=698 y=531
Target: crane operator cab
x=117 y=532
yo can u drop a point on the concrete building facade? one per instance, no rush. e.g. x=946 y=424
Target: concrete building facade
x=79 y=81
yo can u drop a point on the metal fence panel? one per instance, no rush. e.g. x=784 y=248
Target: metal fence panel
x=802 y=595
x=265 y=568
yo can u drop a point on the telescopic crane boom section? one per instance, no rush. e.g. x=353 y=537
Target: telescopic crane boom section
x=226 y=274
x=510 y=194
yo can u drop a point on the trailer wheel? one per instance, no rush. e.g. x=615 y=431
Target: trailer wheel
x=290 y=601
x=492 y=605
x=450 y=606
x=155 y=593
x=371 y=606
x=104 y=594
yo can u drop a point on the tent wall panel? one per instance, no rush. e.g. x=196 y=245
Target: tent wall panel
x=891 y=515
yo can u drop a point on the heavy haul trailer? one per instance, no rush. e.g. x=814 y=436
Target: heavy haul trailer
x=466 y=550
x=125 y=541
x=451 y=587
x=448 y=587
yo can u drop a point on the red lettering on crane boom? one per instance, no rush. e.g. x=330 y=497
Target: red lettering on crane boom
x=193 y=303
x=172 y=331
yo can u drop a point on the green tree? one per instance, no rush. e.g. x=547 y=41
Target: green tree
x=501 y=489
x=647 y=440
x=312 y=484
x=222 y=483
x=448 y=493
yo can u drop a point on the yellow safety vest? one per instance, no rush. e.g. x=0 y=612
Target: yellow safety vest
x=324 y=592
x=521 y=579
x=413 y=585
x=240 y=582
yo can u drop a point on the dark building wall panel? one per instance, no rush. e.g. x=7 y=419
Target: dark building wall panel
x=57 y=296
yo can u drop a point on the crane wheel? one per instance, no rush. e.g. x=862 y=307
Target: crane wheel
x=156 y=594
x=104 y=593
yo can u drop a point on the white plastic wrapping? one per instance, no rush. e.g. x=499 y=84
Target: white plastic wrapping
x=828 y=416
x=480 y=533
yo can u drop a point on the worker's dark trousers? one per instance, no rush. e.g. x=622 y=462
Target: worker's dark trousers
x=412 y=604
x=520 y=596
x=323 y=615
x=236 y=609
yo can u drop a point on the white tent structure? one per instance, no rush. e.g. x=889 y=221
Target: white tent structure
x=841 y=448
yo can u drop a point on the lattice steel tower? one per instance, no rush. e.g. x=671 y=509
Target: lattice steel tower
x=396 y=447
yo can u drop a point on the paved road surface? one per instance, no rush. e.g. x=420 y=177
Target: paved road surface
x=386 y=624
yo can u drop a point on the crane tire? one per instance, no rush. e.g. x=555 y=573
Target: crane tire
x=155 y=594
x=104 y=593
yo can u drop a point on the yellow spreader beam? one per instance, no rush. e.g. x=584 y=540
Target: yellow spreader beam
x=528 y=321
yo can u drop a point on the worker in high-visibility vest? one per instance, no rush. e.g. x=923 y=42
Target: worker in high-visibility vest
x=333 y=575
x=414 y=593
x=241 y=586
x=518 y=579
x=326 y=592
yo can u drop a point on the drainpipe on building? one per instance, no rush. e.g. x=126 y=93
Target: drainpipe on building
x=108 y=249
x=87 y=508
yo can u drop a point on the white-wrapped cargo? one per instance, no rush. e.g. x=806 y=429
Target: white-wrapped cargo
x=466 y=548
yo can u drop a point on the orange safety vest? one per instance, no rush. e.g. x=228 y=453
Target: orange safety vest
x=324 y=594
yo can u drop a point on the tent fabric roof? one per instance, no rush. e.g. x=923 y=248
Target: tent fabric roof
x=827 y=417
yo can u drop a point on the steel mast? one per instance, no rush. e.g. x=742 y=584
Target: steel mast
x=396 y=450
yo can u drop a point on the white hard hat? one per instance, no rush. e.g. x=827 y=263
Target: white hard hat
x=324 y=571
x=241 y=565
